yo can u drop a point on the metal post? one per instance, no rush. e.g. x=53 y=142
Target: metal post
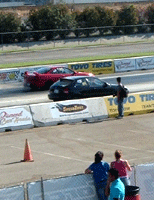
x=28 y=40
x=2 y=41
x=42 y=189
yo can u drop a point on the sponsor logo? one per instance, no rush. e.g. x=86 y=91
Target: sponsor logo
x=132 y=99
x=12 y=118
x=124 y=65
x=145 y=62
x=70 y=108
x=80 y=66
x=102 y=64
x=3 y=76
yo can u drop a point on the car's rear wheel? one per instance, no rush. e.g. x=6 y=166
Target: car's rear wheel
x=33 y=87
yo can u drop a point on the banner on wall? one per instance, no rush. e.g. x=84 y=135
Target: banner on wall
x=15 y=116
x=135 y=103
x=9 y=75
x=69 y=110
x=123 y=65
x=102 y=67
x=95 y=67
x=80 y=66
x=145 y=62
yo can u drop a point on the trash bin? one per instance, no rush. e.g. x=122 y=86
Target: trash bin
x=132 y=193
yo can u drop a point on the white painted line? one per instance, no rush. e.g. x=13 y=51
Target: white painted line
x=117 y=145
x=50 y=154
x=129 y=75
x=130 y=160
x=133 y=131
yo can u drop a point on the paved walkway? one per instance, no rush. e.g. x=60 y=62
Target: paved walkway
x=68 y=149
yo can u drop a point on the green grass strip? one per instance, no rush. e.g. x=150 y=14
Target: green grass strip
x=80 y=59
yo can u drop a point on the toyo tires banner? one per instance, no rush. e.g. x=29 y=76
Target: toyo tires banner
x=137 y=103
x=95 y=67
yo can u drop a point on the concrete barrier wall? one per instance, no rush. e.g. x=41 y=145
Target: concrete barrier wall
x=73 y=111
x=14 y=118
x=96 y=67
x=135 y=103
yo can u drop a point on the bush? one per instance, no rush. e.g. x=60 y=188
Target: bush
x=127 y=16
x=9 y=23
x=106 y=18
x=87 y=19
x=51 y=17
x=150 y=16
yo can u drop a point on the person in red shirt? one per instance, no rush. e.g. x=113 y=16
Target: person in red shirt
x=122 y=166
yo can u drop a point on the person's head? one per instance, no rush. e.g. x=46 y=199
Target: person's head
x=118 y=154
x=113 y=174
x=119 y=80
x=98 y=156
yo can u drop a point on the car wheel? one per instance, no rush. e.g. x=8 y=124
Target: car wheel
x=32 y=87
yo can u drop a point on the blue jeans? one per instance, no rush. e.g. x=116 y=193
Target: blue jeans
x=125 y=180
x=121 y=107
x=100 y=189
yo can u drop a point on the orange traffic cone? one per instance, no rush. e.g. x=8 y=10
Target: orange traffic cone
x=27 y=153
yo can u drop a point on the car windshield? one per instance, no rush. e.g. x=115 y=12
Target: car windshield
x=63 y=82
x=43 y=70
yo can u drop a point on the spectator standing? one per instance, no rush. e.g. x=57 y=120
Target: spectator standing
x=120 y=99
x=115 y=187
x=122 y=166
x=100 y=170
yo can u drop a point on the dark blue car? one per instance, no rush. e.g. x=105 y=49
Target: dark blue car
x=77 y=87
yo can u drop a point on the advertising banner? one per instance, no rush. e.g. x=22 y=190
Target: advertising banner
x=67 y=110
x=9 y=75
x=15 y=117
x=80 y=66
x=102 y=67
x=95 y=67
x=145 y=62
x=135 y=103
x=123 y=65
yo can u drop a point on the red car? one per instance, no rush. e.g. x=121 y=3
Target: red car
x=45 y=76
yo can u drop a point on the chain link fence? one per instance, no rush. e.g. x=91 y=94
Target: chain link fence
x=78 y=187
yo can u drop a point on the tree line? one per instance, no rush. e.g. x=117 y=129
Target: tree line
x=58 y=21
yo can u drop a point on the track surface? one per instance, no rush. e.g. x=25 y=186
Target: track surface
x=77 y=52
x=68 y=149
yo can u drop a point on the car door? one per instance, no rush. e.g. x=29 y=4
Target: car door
x=81 y=88
x=98 y=87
